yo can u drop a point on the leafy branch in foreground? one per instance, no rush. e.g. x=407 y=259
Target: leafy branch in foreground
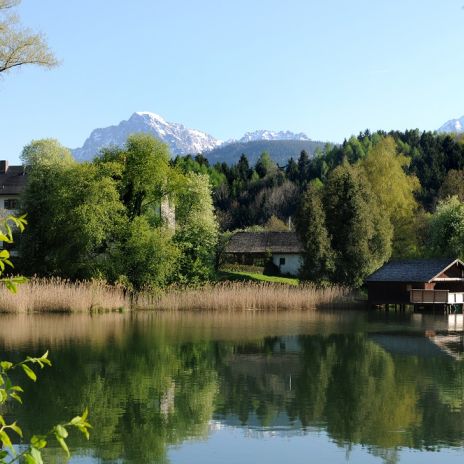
x=6 y=236
x=10 y=391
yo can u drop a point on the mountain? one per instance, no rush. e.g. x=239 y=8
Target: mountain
x=280 y=145
x=180 y=139
x=453 y=125
x=271 y=135
x=280 y=150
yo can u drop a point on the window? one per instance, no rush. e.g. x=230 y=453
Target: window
x=11 y=204
x=282 y=262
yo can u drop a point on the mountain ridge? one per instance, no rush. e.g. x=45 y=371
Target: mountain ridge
x=182 y=140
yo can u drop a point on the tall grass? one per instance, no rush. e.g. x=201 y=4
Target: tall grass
x=64 y=296
x=236 y=296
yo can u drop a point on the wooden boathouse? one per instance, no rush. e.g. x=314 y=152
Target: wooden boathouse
x=427 y=284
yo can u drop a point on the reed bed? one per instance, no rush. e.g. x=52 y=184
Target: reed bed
x=58 y=295
x=62 y=295
x=242 y=296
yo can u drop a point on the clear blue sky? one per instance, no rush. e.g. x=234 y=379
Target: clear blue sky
x=330 y=68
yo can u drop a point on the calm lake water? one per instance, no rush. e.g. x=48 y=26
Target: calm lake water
x=329 y=387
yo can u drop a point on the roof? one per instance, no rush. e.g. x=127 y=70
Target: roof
x=261 y=242
x=413 y=270
x=13 y=181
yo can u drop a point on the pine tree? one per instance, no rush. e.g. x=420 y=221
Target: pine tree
x=318 y=259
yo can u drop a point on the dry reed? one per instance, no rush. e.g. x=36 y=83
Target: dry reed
x=63 y=296
x=233 y=296
x=40 y=295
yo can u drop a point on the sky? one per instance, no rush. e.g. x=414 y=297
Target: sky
x=329 y=68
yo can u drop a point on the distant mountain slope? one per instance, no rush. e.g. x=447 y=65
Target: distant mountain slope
x=453 y=125
x=180 y=139
x=280 y=150
x=281 y=145
x=271 y=135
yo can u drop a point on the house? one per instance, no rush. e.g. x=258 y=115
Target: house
x=12 y=183
x=284 y=248
x=418 y=282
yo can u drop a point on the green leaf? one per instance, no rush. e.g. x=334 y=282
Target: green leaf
x=5 y=365
x=17 y=429
x=17 y=388
x=28 y=459
x=16 y=397
x=3 y=454
x=29 y=372
x=63 y=445
x=5 y=439
x=61 y=431
x=38 y=441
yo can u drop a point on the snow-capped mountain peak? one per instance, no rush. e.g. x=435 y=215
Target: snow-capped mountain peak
x=272 y=135
x=453 y=125
x=180 y=139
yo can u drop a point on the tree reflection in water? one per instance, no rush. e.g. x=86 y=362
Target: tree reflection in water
x=147 y=390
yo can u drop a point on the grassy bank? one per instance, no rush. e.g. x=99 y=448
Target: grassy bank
x=247 y=276
x=45 y=295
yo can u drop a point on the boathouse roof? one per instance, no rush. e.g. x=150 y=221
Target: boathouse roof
x=413 y=270
x=262 y=242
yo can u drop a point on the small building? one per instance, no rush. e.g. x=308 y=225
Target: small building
x=253 y=248
x=12 y=184
x=418 y=282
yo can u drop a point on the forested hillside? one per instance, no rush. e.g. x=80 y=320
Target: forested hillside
x=356 y=205
x=280 y=150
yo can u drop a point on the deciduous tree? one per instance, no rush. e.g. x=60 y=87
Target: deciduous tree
x=18 y=45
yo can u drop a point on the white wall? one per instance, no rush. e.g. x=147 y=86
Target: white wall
x=292 y=263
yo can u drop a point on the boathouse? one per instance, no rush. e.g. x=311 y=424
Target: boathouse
x=418 y=282
x=284 y=248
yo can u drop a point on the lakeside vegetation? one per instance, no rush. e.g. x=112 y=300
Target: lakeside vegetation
x=58 y=295
x=144 y=223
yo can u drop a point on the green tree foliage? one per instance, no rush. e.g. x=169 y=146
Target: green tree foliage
x=265 y=165
x=46 y=153
x=143 y=172
x=361 y=233
x=105 y=219
x=318 y=259
x=74 y=214
x=146 y=258
x=385 y=170
x=197 y=230
x=453 y=185
x=18 y=45
x=446 y=233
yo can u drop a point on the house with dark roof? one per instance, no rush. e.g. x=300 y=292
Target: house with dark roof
x=284 y=248
x=418 y=282
x=12 y=183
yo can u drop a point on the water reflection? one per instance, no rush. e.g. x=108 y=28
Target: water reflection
x=154 y=381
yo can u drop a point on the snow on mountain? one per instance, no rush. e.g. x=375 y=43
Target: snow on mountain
x=180 y=139
x=453 y=125
x=272 y=135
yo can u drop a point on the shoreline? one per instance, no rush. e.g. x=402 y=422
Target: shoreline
x=59 y=295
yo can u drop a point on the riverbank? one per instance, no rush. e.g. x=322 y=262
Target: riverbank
x=57 y=295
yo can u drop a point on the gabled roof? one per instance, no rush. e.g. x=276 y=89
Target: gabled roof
x=261 y=242
x=413 y=270
x=13 y=181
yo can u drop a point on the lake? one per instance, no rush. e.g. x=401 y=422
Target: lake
x=301 y=387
